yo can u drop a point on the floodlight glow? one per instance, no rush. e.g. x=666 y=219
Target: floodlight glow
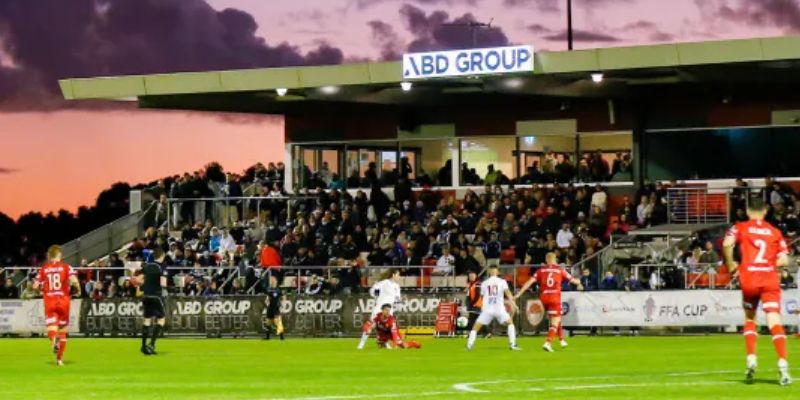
x=406 y=86
x=281 y=91
x=597 y=77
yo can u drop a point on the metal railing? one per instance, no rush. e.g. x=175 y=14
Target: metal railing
x=696 y=205
x=226 y=211
x=107 y=238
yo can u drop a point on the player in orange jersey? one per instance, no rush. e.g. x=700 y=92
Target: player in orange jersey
x=763 y=250
x=54 y=280
x=549 y=278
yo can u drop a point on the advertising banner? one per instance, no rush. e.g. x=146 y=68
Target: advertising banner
x=496 y=60
x=23 y=317
x=246 y=315
x=664 y=308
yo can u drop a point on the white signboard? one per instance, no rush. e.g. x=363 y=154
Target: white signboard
x=27 y=316
x=665 y=308
x=495 y=60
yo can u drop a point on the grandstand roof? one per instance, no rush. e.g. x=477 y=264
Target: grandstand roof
x=556 y=73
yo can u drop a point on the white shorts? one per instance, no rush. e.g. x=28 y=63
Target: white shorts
x=487 y=316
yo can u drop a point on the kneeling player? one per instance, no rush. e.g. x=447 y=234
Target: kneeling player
x=762 y=249
x=549 y=278
x=386 y=291
x=494 y=290
x=387 y=332
x=155 y=281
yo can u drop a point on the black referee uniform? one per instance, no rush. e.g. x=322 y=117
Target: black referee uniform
x=153 y=300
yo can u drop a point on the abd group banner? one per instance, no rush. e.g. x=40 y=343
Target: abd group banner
x=24 y=317
x=246 y=315
x=665 y=308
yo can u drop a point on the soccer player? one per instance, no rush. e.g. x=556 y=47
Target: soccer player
x=387 y=291
x=274 y=298
x=155 y=283
x=762 y=249
x=387 y=332
x=493 y=291
x=56 y=278
x=549 y=278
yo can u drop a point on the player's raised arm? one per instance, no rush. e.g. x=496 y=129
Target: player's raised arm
x=727 y=249
x=525 y=287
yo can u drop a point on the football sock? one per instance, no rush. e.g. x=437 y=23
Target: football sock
x=62 y=345
x=560 y=332
x=364 y=337
x=750 y=336
x=51 y=334
x=551 y=334
x=156 y=331
x=512 y=335
x=145 y=333
x=779 y=341
x=279 y=326
x=471 y=340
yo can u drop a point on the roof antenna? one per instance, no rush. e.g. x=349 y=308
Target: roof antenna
x=473 y=27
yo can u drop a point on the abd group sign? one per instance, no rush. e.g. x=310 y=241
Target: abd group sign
x=496 y=60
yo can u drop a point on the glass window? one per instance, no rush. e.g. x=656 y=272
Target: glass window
x=606 y=156
x=428 y=161
x=547 y=158
x=722 y=153
x=488 y=160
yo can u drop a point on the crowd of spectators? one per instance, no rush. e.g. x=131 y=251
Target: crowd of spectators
x=553 y=168
x=294 y=237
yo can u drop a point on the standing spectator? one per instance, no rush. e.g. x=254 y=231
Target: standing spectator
x=599 y=198
x=227 y=244
x=787 y=281
x=564 y=236
x=270 y=259
x=655 y=280
x=445 y=176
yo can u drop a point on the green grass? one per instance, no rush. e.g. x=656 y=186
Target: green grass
x=604 y=368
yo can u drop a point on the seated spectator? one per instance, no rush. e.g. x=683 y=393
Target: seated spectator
x=655 y=280
x=588 y=281
x=445 y=263
x=97 y=292
x=632 y=284
x=787 y=280
x=28 y=292
x=709 y=258
x=9 y=290
x=227 y=244
x=609 y=282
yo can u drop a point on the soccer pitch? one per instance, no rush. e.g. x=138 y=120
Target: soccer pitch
x=591 y=367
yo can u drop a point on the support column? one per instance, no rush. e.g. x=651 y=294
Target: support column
x=455 y=155
x=289 y=166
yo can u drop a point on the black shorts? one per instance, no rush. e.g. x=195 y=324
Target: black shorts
x=273 y=313
x=153 y=307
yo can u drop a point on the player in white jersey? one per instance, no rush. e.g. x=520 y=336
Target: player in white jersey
x=494 y=291
x=385 y=291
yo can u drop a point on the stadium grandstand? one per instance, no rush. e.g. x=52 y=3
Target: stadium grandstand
x=619 y=168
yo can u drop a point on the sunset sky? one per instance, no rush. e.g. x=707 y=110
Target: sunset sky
x=55 y=155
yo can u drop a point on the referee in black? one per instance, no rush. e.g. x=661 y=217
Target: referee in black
x=154 y=275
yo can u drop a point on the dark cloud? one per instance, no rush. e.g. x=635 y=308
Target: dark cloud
x=385 y=37
x=538 y=29
x=541 y=5
x=4 y=170
x=583 y=36
x=556 y=5
x=436 y=31
x=649 y=29
x=784 y=14
x=363 y=4
x=51 y=40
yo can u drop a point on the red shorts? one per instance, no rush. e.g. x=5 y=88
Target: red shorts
x=56 y=311
x=552 y=305
x=769 y=297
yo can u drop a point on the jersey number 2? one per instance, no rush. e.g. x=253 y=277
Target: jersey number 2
x=762 y=248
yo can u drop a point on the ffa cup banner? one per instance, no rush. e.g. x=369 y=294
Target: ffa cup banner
x=665 y=308
x=24 y=317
